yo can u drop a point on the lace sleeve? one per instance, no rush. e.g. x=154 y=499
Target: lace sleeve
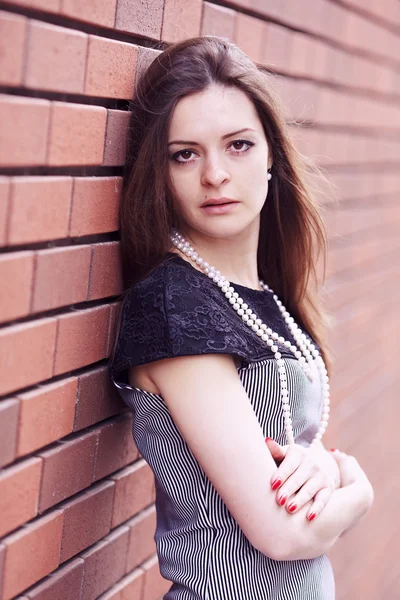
x=175 y=312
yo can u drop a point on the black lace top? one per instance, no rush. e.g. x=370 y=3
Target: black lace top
x=177 y=310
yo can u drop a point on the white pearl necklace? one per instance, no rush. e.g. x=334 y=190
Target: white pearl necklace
x=304 y=350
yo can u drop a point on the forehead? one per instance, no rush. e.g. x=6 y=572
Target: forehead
x=215 y=110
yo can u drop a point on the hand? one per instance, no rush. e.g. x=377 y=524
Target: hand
x=351 y=472
x=304 y=474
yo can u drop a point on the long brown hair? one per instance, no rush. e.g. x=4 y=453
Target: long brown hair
x=292 y=236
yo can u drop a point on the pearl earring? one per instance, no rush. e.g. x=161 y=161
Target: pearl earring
x=269 y=176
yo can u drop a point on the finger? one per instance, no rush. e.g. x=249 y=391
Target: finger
x=306 y=493
x=288 y=466
x=297 y=480
x=320 y=501
x=338 y=455
x=277 y=451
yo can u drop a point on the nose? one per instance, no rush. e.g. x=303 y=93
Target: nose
x=214 y=172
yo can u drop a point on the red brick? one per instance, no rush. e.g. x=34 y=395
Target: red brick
x=116 y=434
x=141 y=541
x=358 y=32
x=154 y=584
x=111 y=67
x=344 y=67
x=362 y=71
x=325 y=105
x=218 y=20
x=32 y=553
x=105 y=272
x=19 y=492
x=286 y=88
x=386 y=80
x=299 y=98
x=9 y=410
x=26 y=354
x=63 y=584
x=77 y=134
x=320 y=68
x=55 y=58
x=294 y=14
x=16 y=274
x=334 y=17
x=104 y=564
x=133 y=491
x=46 y=414
x=277 y=48
x=250 y=35
x=144 y=59
x=154 y=493
x=97 y=399
x=87 y=519
x=46 y=5
x=114 y=324
x=5 y=187
x=99 y=12
x=302 y=55
x=51 y=290
x=95 y=205
x=129 y=588
x=82 y=338
x=267 y=8
x=13 y=30
x=115 y=144
x=2 y=561
x=242 y=3
x=23 y=136
x=39 y=208
x=181 y=20
x=141 y=18
x=67 y=469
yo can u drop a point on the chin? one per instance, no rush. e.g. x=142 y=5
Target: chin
x=221 y=229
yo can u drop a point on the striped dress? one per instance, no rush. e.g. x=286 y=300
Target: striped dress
x=176 y=311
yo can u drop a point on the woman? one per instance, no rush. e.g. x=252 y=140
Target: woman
x=220 y=343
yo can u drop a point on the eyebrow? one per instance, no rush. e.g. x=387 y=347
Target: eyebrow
x=228 y=135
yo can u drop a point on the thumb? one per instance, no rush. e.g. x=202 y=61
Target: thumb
x=276 y=449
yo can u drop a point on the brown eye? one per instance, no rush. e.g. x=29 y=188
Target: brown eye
x=241 y=146
x=183 y=156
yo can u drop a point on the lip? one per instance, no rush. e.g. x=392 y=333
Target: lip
x=221 y=208
x=217 y=201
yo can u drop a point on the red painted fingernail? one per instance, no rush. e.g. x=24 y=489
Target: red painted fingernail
x=276 y=483
x=282 y=499
x=292 y=507
x=311 y=516
x=268 y=439
x=333 y=449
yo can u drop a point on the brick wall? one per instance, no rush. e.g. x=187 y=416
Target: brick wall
x=76 y=501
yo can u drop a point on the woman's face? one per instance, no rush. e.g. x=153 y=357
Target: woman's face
x=218 y=150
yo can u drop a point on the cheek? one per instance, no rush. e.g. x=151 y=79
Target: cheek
x=256 y=179
x=184 y=184
x=184 y=192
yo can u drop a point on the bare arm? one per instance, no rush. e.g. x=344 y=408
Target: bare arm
x=212 y=411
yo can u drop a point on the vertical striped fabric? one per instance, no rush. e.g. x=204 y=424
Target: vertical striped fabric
x=201 y=548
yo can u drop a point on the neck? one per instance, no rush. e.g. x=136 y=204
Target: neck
x=235 y=257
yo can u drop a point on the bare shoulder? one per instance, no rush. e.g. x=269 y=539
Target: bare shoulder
x=141 y=375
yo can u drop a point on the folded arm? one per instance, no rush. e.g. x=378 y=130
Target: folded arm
x=212 y=411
